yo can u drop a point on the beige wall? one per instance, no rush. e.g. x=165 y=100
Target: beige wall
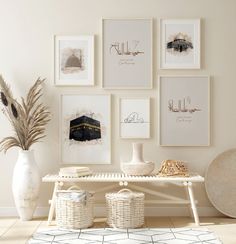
x=26 y=52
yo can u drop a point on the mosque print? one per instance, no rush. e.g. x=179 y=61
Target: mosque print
x=72 y=61
x=179 y=44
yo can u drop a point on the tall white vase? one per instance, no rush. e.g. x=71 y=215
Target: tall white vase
x=137 y=156
x=26 y=184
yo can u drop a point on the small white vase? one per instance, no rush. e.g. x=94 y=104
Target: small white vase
x=137 y=153
x=26 y=184
x=137 y=166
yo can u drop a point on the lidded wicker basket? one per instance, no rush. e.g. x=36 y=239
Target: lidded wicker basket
x=74 y=209
x=125 y=209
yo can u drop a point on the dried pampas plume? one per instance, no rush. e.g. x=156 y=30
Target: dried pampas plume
x=27 y=118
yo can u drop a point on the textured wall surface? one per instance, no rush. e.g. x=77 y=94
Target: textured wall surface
x=27 y=28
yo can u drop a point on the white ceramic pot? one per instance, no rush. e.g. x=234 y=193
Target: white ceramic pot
x=26 y=184
x=137 y=166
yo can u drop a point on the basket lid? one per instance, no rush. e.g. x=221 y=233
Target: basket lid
x=124 y=194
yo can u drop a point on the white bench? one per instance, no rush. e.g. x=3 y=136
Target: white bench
x=125 y=180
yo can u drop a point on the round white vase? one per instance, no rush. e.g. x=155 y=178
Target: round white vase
x=26 y=184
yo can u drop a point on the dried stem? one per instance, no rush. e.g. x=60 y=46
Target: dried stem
x=28 y=119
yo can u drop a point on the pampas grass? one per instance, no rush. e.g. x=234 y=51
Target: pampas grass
x=28 y=118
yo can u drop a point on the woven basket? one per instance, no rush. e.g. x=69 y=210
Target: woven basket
x=125 y=209
x=74 y=214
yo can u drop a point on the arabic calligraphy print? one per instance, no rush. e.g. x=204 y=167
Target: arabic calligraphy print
x=85 y=129
x=74 y=60
x=127 y=53
x=135 y=117
x=125 y=48
x=184 y=110
x=182 y=105
x=180 y=44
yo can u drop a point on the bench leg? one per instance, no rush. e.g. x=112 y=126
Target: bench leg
x=57 y=186
x=192 y=201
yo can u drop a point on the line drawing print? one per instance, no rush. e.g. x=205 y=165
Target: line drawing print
x=134 y=117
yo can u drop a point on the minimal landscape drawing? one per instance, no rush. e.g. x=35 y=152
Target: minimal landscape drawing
x=133 y=117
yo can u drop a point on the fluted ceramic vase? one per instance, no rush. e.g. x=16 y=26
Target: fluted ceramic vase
x=26 y=184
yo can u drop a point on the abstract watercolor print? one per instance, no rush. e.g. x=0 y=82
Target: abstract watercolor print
x=180 y=44
x=74 y=60
x=135 y=118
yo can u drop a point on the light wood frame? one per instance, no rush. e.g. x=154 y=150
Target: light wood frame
x=209 y=109
x=135 y=98
x=73 y=82
x=151 y=56
x=60 y=128
x=197 y=65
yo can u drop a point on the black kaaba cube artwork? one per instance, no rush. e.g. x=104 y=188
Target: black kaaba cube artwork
x=85 y=128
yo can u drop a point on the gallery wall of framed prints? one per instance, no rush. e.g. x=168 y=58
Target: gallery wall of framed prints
x=183 y=102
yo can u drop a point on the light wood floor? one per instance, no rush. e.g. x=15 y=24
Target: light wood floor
x=14 y=231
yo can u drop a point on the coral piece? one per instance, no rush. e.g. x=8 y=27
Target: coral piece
x=173 y=168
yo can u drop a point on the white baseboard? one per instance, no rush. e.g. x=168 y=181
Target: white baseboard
x=100 y=211
x=11 y=212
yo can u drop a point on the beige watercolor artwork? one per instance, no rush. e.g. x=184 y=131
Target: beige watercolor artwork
x=72 y=60
x=179 y=44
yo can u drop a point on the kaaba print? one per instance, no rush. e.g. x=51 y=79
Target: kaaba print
x=84 y=128
x=179 y=44
x=72 y=60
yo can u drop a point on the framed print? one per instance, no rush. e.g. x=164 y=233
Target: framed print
x=74 y=60
x=180 y=44
x=184 y=110
x=135 y=117
x=85 y=129
x=127 y=53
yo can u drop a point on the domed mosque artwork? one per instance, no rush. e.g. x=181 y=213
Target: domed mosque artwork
x=179 y=44
x=72 y=61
